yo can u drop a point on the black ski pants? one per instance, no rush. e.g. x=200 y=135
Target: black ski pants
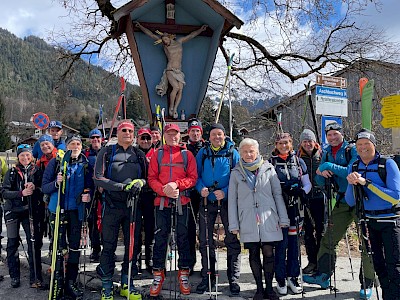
x=113 y=218
x=69 y=238
x=231 y=241
x=314 y=218
x=13 y=222
x=384 y=236
x=146 y=204
x=163 y=231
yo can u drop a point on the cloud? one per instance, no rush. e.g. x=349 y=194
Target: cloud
x=32 y=17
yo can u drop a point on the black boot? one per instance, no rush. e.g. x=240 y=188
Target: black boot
x=72 y=290
x=268 y=266
x=204 y=285
x=15 y=282
x=255 y=265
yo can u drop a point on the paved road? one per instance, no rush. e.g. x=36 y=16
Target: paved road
x=347 y=288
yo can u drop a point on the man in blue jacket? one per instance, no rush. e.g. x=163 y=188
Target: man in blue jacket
x=376 y=200
x=214 y=164
x=336 y=157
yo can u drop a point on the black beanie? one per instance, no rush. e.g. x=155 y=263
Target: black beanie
x=155 y=128
x=217 y=126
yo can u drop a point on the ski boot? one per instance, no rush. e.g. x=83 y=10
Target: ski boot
x=107 y=294
x=73 y=291
x=134 y=294
x=183 y=278
x=158 y=281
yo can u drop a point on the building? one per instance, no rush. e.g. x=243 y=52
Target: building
x=296 y=113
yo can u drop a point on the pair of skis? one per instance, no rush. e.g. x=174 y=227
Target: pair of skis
x=57 y=278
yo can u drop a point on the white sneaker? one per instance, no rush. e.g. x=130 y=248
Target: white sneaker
x=282 y=289
x=294 y=285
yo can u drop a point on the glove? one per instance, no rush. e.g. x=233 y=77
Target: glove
x=135 y=186
x=295 y=191
x=60 y=155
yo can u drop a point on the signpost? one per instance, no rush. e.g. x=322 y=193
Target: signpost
x=390 y=111
x=338 y=82
x=331 y=101
x=40 y=120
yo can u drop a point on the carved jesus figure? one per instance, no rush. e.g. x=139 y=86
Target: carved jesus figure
x=172 y=74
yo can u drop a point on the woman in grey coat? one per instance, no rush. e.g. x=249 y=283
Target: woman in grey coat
x=257 y=212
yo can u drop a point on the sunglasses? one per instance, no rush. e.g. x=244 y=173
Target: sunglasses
x=333 y=126
x=145 y=138
x=127 y=130
x=95 y=137
x=23 y=146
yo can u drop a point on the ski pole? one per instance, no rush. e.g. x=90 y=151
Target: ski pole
x=297 y=219
x=207 y=246
x=52 y=292
x=84 y=238
x=132 y=203
x=348 y=251
x=217 y=263
x=31 y=229
x=328 y=183
x=228 y=72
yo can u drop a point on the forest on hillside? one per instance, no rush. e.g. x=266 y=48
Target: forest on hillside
x=30 y=81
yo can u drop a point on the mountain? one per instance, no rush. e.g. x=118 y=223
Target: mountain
x=30 y=72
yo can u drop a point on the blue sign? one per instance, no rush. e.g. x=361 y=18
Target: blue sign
x=330 y=92
x=325 y=120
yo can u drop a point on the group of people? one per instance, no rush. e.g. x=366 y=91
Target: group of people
x=169 y=189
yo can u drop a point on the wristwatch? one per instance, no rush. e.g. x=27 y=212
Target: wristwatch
x=367 y=182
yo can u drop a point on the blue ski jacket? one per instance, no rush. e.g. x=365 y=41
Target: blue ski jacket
x=381 y=197
x=78 y=177
x=216 y=167
x=337 y=165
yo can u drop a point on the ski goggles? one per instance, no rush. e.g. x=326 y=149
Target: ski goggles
x=24 y=148
x=333 y=126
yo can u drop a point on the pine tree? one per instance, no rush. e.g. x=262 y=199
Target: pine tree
x=5 y=141
x=134 y=106
x=85 y=126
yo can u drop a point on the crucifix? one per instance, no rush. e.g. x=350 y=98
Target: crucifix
x=173 y=79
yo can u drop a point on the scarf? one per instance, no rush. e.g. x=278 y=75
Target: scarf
x=249 y=169
x=215 y=149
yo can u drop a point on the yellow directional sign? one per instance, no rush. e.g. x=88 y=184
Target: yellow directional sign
x=391 y=100
x=390 y=110
x=392 y=121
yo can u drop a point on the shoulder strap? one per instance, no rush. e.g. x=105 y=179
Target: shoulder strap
x=382 y=168
x=347 y=152
x=110 y=158
x=160 y=154
x=354 y=166
x=184 y=158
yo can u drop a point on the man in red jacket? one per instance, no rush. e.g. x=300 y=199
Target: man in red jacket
x=172 y=172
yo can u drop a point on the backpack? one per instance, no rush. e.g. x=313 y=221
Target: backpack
x=381 y=166
x=228 y=154
x=160 y=155
x=347 y=152
x=295 y=162
x=111 y=152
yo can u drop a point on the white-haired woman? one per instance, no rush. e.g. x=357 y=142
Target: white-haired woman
x=257 y=211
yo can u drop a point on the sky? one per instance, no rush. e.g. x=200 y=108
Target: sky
x=40 y=17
